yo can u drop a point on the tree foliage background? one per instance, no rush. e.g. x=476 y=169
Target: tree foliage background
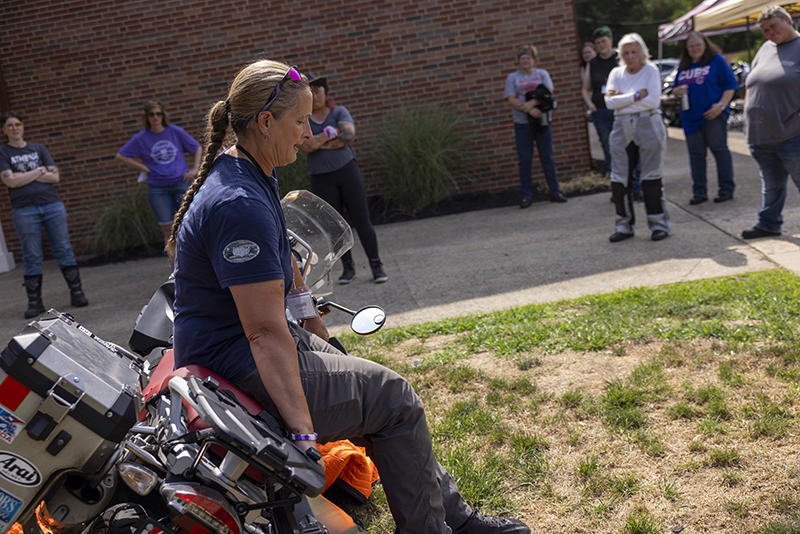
x=644 y=17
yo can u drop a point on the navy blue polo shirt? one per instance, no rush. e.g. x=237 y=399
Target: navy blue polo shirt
x=233 y=233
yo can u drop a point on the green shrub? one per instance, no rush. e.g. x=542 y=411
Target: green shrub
x=295 y=175
x=421 y=156
x=127 y=224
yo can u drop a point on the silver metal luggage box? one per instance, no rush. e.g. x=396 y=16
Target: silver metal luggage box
x=67 y=398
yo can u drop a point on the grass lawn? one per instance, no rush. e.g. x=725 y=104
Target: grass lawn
x=646 y=410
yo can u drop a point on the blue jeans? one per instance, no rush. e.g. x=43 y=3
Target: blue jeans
x=603 y=120
x=714 y=136
x=525 y=136
x=777 y=162
x=28 y=222
x=166 y=200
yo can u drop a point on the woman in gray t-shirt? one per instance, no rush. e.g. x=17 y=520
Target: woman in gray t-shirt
x=336 y=178
x=531 y=124
x=772 y=117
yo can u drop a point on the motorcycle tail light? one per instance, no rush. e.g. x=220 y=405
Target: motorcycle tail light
x=139 y=478
x=203 y=507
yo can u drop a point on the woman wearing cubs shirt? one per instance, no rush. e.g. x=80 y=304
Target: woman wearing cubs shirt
x=707 y=78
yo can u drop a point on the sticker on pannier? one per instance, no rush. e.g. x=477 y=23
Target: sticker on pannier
x=9 y=505
x=10 y=426
x=18 y=470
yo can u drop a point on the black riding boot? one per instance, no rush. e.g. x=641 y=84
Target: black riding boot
x=73 y=279
x=33 y=286
x=349 y=271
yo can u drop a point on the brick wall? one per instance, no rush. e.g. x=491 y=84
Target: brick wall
x=78 y=72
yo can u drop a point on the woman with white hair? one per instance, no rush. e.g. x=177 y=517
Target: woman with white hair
x=639 y=135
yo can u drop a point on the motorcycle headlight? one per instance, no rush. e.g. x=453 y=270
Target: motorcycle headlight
x=137 y=477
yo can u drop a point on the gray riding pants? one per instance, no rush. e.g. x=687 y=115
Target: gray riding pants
x=374 y=407
x=646 y=131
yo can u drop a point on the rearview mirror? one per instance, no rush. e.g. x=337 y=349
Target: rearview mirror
x=368 y=320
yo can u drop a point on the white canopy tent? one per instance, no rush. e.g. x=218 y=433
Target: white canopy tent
x=737 y=13
x=679 y=28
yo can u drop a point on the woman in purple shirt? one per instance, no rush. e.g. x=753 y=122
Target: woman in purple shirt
x=158 y=151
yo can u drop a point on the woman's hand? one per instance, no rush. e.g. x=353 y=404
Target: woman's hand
x=189 y=175
x=680 y=91
x=305 y=445
x=713 y=112
x=529 y=105
x=590 y=108
x=536 y=113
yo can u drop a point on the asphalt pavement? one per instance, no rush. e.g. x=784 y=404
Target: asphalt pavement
x=489 y=260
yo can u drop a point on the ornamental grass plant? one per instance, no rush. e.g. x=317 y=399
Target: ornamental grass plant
x=421 y=155
x=127 y=225
x=294 y=176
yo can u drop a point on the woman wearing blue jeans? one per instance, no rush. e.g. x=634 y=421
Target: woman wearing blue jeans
x=706 y=77
x=772 y=117
x=527 y=132
x=30 y=172
x=159 y=150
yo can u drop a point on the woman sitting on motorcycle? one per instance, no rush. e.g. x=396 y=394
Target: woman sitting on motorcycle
x=233 y=271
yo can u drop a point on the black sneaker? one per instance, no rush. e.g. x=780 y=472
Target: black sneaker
x=616 y=237
x=659 y=235
x=379 y=276
x=756 y=232
x=481 y=524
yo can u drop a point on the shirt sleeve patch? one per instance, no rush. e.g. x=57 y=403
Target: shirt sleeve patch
x=240 y=251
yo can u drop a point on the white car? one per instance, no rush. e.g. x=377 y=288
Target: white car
x=666 y=66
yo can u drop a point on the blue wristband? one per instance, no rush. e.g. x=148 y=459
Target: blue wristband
x=304 y=437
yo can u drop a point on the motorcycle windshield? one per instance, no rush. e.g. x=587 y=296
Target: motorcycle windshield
x=319 y=227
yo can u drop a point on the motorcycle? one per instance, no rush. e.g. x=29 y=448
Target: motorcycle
x=195 y=455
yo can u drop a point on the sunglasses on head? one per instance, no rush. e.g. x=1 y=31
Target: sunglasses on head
x=291 y=73
x=155 y=114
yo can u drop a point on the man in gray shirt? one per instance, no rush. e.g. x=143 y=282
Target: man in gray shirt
x=772 y=116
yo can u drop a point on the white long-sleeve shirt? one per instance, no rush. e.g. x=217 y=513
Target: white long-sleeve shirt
x=627 y=84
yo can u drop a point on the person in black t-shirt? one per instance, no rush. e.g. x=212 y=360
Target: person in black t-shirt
x=29 y=172
x=594 y=87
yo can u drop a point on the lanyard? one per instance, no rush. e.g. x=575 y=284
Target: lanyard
x=263 y=174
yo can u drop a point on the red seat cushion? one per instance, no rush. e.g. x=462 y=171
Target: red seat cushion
x=159 y=382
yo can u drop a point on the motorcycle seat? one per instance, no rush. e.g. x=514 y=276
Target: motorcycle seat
x=159 y=382
x=164 y=372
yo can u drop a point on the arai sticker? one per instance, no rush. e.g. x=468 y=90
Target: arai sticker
x=18 y=470
x=10 y=426
x=9 y=506
x=240 y=251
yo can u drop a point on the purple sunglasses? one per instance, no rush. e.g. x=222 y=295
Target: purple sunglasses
x=291 y=73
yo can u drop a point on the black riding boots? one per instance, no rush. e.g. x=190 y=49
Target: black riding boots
x=33 y=286
x=73 y=278
x=349 y=271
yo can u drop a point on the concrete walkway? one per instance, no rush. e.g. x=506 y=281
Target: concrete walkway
x=490 y=260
